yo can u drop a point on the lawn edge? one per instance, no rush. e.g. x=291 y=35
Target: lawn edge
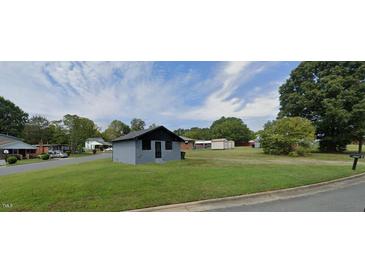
x=253 y=198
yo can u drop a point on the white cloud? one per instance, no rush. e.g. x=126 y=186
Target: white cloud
x=261 y=106
x=223 y=102
x=104 y=91
x=90 y=89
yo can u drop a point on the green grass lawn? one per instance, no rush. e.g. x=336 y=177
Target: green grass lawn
x=77 y=155
x=87 y=153
x=27 y=161
x=102 y=185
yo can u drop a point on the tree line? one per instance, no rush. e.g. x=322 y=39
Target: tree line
x=72 y=130
x=231 y=128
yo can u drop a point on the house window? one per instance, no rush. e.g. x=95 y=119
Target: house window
x=168 y=145
x=146 y=145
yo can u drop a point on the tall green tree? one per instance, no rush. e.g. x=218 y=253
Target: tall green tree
x=198 y=133
x=181 y=131
x=153 y=125
x=59 y=133
x=37 y=130
x=286 y=135
x=12 y=118
x=79 y=129
x=115 y=129
x=231 y=128
x=358 y=123
x=331 y=95
x=137 y=124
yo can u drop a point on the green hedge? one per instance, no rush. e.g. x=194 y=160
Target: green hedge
x=44 y=156
x=12 y=160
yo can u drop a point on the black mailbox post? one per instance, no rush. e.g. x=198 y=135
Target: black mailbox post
x=356 y=157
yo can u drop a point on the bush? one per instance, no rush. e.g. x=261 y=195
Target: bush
x=68 y=153
x=44 y=156
x=94 y=151
x=12 y=160
x=293 y=154
x=303 y=150
x=286 y=135
x=18 y=156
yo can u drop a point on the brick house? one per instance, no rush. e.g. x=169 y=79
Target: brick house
x=188 y=143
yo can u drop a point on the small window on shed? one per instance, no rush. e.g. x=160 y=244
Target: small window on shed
x=168 y=145
x=146 y=145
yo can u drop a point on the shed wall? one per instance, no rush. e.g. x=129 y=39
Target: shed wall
x=148 y=156
x=219 y=144
x=124 y=152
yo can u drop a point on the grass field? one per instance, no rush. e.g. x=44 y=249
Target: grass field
x=105 y=186
x=27 y=161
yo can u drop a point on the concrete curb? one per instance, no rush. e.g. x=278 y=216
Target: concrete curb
x=248 y=199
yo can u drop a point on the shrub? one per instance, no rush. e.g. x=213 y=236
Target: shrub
x=293 y=154
x=94 y=151
x=12 y=160
x=68 y=153
x=303 y=150
x=44 y=156
x=18 y=156
x=287 y=135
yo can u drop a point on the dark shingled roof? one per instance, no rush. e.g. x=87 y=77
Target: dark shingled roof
x=139 y=133
x=187 y=138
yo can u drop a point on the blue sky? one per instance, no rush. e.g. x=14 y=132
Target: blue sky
x=175 y=94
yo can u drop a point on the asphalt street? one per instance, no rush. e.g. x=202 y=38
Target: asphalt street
x=346 y=199
x=52 y=163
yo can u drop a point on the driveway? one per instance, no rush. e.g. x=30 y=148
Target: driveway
x=50 y=164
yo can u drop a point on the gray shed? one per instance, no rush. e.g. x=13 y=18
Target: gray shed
x=145 y=146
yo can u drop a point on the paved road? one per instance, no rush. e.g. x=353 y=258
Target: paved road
x=344 y=199
x=51 y=164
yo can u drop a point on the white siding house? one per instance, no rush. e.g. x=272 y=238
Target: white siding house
x=96 y=143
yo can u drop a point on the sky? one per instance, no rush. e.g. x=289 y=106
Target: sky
x=173 y=94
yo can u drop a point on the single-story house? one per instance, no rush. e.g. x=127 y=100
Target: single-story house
x=45 y=148
x=156 y=144
x=15 y=146
x=202 y=144
x=188 y=143
x=96 y=143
